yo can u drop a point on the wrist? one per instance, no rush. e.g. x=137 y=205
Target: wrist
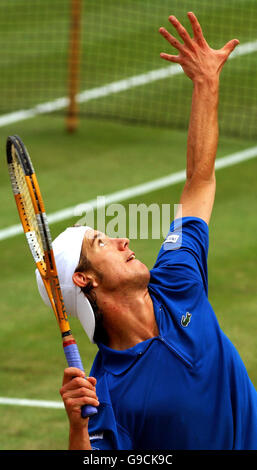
x=79 y=438
x=210 y=83
x=80 y=427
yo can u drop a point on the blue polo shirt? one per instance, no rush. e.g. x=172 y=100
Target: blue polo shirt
x=188 y=387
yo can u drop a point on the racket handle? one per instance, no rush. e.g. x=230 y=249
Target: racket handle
x=73 y=358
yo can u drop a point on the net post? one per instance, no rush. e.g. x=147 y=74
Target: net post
x=73 y=65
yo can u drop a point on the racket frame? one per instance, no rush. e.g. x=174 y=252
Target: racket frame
x=46 y=266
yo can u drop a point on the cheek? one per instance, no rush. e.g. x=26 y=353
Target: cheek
x=110 y=265
x=113 y=275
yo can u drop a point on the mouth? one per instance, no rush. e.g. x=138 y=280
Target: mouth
x=131 y=257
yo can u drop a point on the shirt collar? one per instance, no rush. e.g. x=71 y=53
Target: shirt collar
x=117 y=362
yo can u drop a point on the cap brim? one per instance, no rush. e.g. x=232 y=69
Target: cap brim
x=83 y=308
x=85 y=314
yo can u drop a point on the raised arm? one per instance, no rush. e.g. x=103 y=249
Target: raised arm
x=203 y=66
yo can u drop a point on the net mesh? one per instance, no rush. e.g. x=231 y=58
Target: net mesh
x=119 y=49
x=33 y=57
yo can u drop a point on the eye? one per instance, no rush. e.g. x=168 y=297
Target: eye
x=101 y=243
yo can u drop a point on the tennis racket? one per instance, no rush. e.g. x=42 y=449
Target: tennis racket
x=34 y=221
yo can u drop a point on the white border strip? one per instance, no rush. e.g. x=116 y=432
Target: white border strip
x=111 y=88
x=33 y=403
x=134 y=191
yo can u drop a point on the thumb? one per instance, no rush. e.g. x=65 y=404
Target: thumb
x=230 y=46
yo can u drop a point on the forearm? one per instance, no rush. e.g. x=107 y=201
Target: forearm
x=198 y=195
x=202 y=65
x=79 y=439
x=203 y=130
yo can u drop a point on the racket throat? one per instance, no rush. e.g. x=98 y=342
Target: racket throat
x=67 y=335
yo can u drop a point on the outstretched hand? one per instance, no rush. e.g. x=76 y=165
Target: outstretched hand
x=198 y=60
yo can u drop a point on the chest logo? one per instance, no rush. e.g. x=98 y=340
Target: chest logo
x=185 y=320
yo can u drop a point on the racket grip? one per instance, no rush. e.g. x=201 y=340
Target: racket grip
x=73 y=359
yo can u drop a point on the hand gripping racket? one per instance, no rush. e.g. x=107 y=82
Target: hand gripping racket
x=34 y=221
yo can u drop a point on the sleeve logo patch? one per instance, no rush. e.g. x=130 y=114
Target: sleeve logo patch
x=99 y=435
x=172 y=239
x=185 y=320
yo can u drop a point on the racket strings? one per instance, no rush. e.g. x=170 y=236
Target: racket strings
x=30 y=218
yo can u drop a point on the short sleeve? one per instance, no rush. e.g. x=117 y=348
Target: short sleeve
x=185 y=249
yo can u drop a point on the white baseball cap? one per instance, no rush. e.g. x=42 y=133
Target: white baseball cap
x=67 y=249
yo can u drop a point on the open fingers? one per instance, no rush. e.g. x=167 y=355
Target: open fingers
x=181 y=31
x=171 y=39
x=197 y=30
x=170 y=58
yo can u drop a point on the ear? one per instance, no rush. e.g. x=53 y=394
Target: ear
x=82 y=279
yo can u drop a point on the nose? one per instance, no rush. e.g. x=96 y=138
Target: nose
x=122 y=243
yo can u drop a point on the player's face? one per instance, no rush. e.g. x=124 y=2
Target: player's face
x=115 y=261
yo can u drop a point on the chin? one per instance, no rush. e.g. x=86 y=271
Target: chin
x=141 y=276
x=138 y=277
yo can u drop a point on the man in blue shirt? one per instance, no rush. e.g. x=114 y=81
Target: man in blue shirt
x=165 y=375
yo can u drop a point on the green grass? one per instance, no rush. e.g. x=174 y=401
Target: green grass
x=27 y=423
x=119 y=41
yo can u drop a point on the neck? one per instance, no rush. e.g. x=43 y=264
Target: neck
x=128 y=318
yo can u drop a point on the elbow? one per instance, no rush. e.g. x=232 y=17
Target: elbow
x=200 y=183
x=201 y=176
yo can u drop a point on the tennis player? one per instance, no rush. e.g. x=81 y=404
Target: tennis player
x=165 y=375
